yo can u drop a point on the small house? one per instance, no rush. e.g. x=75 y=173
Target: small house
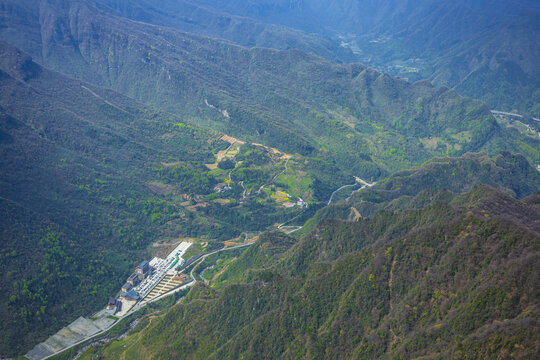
x=133 y=279
x=111 y=305
x=126 y=287
x=130 y=295
x=143 y=268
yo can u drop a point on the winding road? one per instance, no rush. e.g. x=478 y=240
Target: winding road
x=282 y=171
x=357 y=180
x=142 y=304
x=496 y=112
x=196 y=263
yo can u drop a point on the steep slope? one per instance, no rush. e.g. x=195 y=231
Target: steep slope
x=481 y=52
x=415 y=187
x=76 y=210
x=454 y=278
x=287 y=99
x=500 y=63
x=89 y=178
x=192 y=17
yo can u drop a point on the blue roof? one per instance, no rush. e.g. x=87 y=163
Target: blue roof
x=143 y=263
x=132 y=294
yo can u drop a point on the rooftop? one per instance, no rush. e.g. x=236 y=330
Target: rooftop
x=131 y=294
x=127 y=286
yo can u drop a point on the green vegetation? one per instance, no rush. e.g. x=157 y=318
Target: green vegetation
x=188 y=179
x=80 y=212
x=226 y=164
x=366 y=123
x=444 y=174
x=99 y=184
x=90 y=177
x=444 y=276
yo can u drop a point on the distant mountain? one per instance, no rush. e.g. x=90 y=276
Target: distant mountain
x=485 y=49
x=372 y=123
x=453 y=277
x=191 y=17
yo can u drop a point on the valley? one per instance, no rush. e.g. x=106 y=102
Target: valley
x=159 y=285
x=269 y=179
x=279 y=278
x=293 y=101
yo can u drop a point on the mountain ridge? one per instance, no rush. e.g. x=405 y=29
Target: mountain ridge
x=194 y=18
x=428 y=39
x=291 y=100
x=439 y=281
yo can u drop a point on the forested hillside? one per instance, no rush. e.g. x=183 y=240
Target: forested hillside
x=369 y=123
x=90 y=178
x=509 y=173
x=74 y=163
x=450 y=275
x=128 y=126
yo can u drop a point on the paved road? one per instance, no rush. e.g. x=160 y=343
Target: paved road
x=142 y=304
x=294 y=228
x=212 y=253
x=335 y=191
x=357 y=180
x=496 y=112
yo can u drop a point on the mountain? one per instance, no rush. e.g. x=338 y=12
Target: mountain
x=76 y=210
x=453 y=277
x=368 y=123
x=90 y=178
x=112 y=140
x=486 y=50
x=191 y=17
x=403 y=189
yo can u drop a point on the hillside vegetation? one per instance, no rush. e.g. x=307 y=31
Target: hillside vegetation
x=455 y=277
x=367 y=122
x=90 y=178
x=76 y=213
x=509 y=173
x=121 y=134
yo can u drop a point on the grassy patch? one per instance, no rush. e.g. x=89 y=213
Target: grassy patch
x=298 y=183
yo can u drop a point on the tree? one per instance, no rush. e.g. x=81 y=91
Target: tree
x=226 y=164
